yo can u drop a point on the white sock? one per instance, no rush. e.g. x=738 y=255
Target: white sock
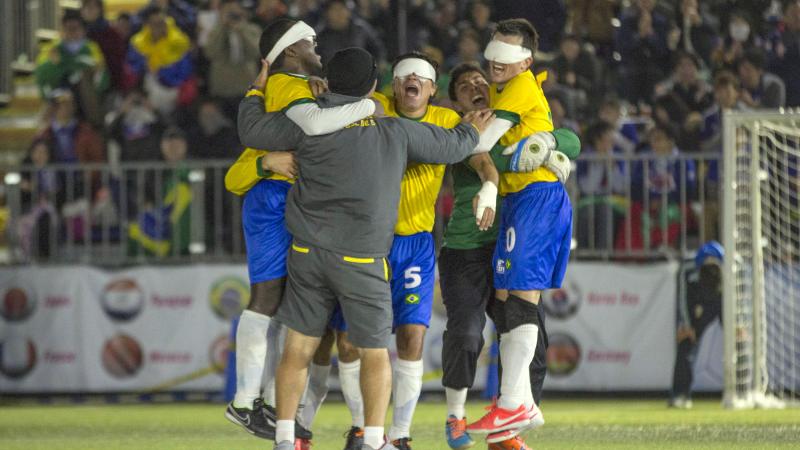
x=349 y=377
x=251 y=348
x=373 y=436
x=316 y=391
x=406 y=390
x=284 y=431
x=456 y=398
x=517 y=348
x=276 y=336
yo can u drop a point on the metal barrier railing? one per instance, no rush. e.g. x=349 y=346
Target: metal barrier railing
x=130 y=214
x=644 y=206
x=625 y=208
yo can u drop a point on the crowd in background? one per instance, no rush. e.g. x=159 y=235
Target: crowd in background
x=642 y=76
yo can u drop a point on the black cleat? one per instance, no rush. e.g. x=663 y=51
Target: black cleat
x=402 y=443
x=255 y=421
x=301 y=432
x=355 y=439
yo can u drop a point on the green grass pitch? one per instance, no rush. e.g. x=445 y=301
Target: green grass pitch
x=589 y=424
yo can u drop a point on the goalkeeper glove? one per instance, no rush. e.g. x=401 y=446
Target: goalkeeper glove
x=559 y=164
x=531 y=152
x=487 y=198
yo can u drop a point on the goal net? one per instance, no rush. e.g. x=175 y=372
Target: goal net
x=761 y=236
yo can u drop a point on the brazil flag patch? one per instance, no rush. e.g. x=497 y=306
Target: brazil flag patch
x=412 y=299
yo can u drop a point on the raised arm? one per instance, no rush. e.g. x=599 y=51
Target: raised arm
x=314 y=120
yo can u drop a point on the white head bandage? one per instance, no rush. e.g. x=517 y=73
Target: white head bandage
x=417 y=66
x=297 y=32
x=505 y=53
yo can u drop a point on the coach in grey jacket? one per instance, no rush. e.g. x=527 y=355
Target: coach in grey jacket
x=341 y=212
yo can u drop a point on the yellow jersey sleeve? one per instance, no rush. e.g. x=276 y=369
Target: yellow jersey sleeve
x=421 y=183
x=386 y=102
x=283 y=91
x=522 y=102
x=243 y=174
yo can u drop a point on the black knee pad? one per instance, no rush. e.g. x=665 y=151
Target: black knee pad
x=458 y=342
x=519 y=312
x=265 y=297
x=499 y=316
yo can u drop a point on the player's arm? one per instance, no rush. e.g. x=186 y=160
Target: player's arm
x=496 y=129
x=260 y=129
x=256 y=165
x=314 y=120
x=484 y=204
x=428 y=143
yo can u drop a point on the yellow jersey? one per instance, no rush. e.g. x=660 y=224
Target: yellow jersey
x=420 y=186
x=283 y=91
x=522 y=102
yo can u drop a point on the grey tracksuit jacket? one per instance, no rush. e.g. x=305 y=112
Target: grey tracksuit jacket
x=346 y=196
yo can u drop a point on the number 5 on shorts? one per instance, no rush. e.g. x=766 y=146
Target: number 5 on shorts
x=413 y=278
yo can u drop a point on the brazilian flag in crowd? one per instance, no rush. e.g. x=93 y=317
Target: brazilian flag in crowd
x=163 y=228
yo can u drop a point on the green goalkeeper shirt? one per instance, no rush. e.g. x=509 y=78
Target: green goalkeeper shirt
x=462 y=231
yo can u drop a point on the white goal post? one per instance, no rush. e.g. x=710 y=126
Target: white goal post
x=761 y=277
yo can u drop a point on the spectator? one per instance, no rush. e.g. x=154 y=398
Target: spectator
x=786 y=53
x=215 y=136
x=642 y=43
x=480 y=20
x=739 y=39
x=73 y=62
x=136 y=128
x=269 y=10
x=232 y=49
x=726 y=95
x=341 y=30
x=162 y=227
x=309 y=10
x=602 y=184
x=697 y=35
x=71 y=140
x=559 y=113
x=574 y=100
x=124 y=26
x=547 y=16
x=592 y=20
x=160 y=54
x=38 y=188
x=660 y=180
x=444 y=33
x=469 y=49
x=182 y=13
x=113 y=45
x=761 y=89
x=686 y=84
x=626 y=136
x=577 y=67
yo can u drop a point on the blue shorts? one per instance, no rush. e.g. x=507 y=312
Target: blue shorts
x=413 y=263
x=265 y=233
x=534 y=238
x=337 y=322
